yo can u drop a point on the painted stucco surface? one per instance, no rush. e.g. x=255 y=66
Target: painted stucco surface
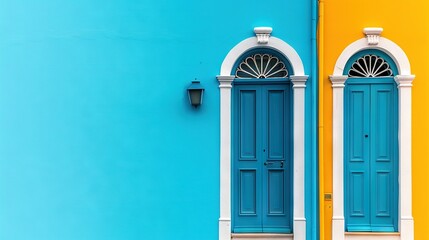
x=98 y=140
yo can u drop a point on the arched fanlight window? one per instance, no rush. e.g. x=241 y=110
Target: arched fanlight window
x=261 y=66
x=370 y=65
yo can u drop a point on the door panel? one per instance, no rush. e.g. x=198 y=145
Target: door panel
x=261 y=166
x=382 y=206
x=370 y=163
x=247 y=190
x=276 y=187
x=382 y=126
x=358 y=207
x=359 y=124
x=276 y=124
x=247 y=125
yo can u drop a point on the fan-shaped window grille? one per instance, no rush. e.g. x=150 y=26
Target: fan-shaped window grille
x=370 y=66
x=261 y=66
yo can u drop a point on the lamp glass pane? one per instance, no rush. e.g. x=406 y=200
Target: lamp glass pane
x=195 y=96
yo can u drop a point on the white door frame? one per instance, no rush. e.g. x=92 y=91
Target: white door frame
x=404 y=83
x=262 y=40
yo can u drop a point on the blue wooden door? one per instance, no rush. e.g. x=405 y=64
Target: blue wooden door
x=371 y=183
x=262 y=159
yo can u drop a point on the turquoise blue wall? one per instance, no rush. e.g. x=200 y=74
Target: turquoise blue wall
x=97 y=139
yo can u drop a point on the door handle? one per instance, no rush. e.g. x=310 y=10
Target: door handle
x=270 y=163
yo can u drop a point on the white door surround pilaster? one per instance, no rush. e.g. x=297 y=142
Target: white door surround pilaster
x=262 y=40
x=404 y=82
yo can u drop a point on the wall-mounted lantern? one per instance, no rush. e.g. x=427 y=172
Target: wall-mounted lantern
x=195 y=93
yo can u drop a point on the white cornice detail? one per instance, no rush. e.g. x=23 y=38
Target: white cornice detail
x=404 y=80
x=373 y=34
x=298 y=81
x=338 y=81
x=263 y=34
x=225 y=81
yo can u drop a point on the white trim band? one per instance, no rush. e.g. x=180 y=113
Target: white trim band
x=225 y=84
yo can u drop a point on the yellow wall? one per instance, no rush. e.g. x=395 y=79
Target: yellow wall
x=407 y=24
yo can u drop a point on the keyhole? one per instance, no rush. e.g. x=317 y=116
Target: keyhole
x=366 y=135
x=264 y=150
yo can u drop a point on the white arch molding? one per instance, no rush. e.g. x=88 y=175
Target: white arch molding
x=404 y=83
x=262 y=40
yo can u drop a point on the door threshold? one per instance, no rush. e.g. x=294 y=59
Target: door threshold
x=372 y=236
x=261 y=236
